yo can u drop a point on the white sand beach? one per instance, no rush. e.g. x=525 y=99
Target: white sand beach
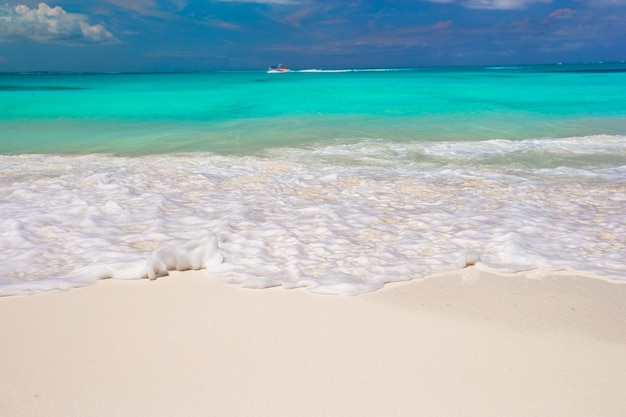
x=462 y=344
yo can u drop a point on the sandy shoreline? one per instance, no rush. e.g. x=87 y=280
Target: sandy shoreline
x=464 y=344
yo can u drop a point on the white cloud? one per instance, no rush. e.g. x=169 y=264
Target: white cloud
x=442 y=24
x=139 y=6
x=562 y=13
x=49 y=25
x=517 y=4
x=219 y=23
x=601 y=3
x=494 y=4
x=283 y=2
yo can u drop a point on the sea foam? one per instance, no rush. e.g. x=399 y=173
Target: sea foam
x=337 y=219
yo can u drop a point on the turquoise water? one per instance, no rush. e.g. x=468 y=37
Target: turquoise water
x=336 y=181
x=233 y=112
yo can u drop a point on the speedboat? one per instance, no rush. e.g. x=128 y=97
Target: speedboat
x=278 y=68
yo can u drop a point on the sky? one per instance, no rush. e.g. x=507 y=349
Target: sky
x=197 y=35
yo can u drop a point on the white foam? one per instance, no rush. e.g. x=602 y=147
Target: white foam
x=317 y=70
x=323 y=71
x=340 y=219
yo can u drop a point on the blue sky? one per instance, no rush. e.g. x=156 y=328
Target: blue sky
x=181 y=35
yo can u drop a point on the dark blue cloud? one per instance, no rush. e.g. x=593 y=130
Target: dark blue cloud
x=167 y=35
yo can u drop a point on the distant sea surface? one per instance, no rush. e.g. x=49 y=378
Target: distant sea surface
x=334 y=180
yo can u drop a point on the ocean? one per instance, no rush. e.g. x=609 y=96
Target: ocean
x=338 y=181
